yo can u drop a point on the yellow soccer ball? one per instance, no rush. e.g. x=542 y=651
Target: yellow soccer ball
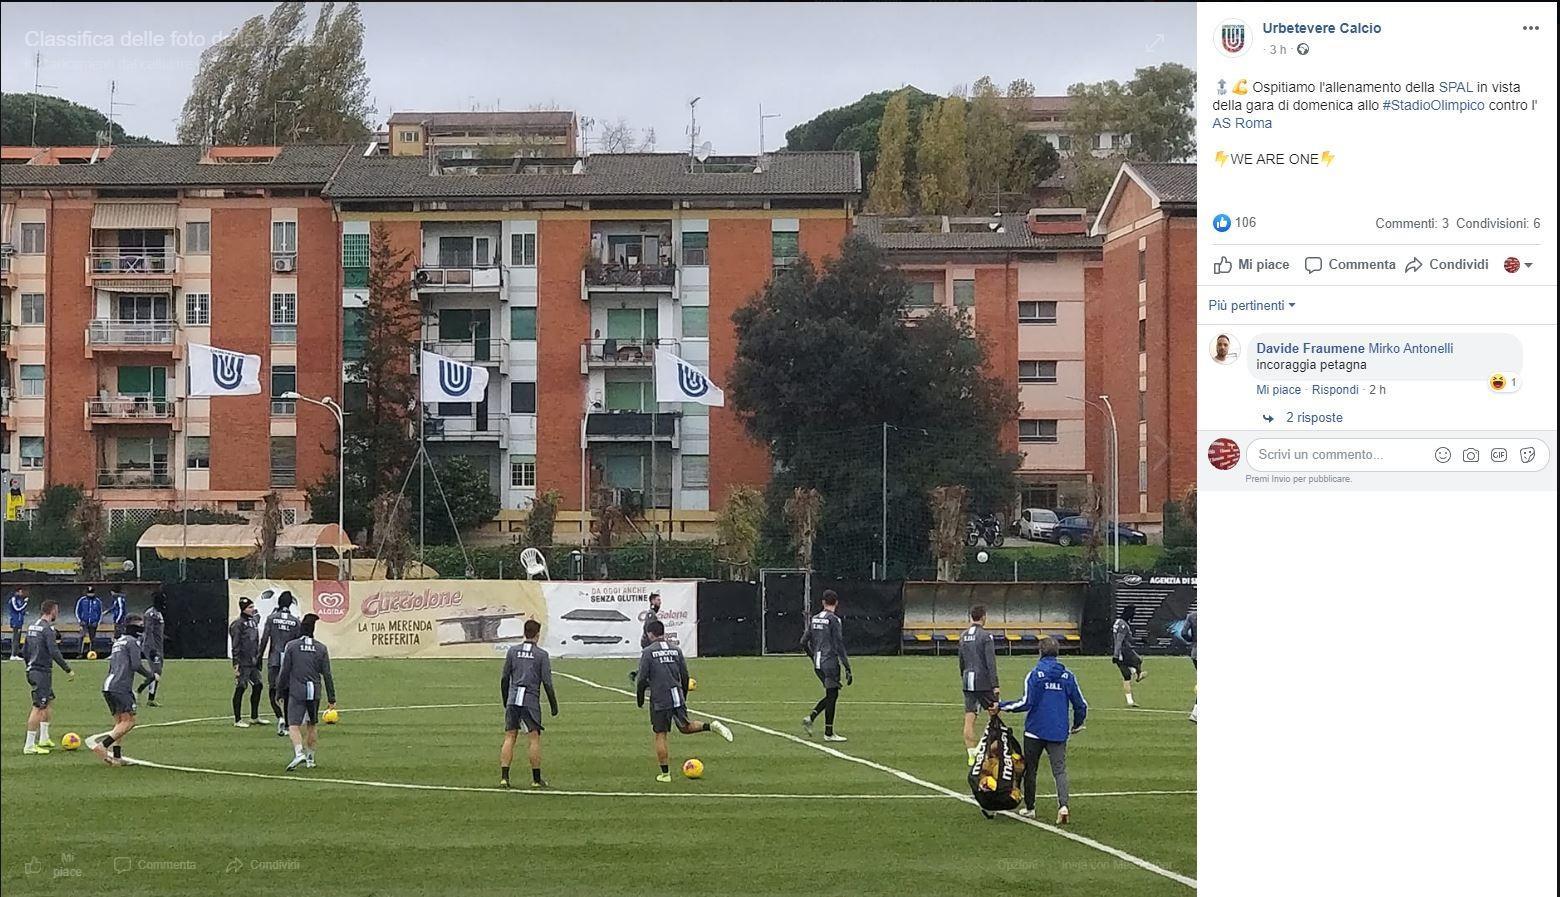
x=694 y=769
x=71 y=741
x=330 y=716
x=92 y=655
x=693 y=684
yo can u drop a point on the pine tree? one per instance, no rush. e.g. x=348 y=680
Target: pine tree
x=887 y=195
x=379 y=440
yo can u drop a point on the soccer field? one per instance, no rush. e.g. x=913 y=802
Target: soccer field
x=404 y=800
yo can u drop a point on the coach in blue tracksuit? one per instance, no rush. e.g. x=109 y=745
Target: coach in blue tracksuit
x=1049 y=690
x=89 y=612
x=16 y=611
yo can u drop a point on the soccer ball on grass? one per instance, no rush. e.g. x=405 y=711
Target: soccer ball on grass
x=694 y=768
x=693 y=684
x=329 y=717
x=92 y=655
x=71 y=741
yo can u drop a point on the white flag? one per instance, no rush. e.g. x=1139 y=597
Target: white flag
x=447 y=380
x=220 y=372
x=678 y=381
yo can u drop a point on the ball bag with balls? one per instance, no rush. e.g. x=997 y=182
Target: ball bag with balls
x=694 y=769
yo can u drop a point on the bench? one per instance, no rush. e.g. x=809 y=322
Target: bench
x=1025 y=636
x=70 y=638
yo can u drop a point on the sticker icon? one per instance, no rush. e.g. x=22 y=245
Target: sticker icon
x=1527 y=454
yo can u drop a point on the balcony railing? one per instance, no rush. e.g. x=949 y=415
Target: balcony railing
x=5 y=332
x=132 y=262
x=492 y=427
x=602 y=274
x=147 y=408
x=5 y=401
x=631 y=425
x=622 y=353
x=479 y=351
x=456 y=279
x=131 y=333
x=132 y=475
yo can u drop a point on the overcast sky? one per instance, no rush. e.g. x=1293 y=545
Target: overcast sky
x=641 y=61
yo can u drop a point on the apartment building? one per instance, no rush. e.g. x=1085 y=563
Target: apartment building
x=1048 y=117
x=563 y=276
x=117 y=258
x=1148 y=301
x=1026 y=279
x=483 y=135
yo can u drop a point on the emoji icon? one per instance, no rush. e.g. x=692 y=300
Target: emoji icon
x=1443 y=454
x=1240 y=87
x=1497 y=382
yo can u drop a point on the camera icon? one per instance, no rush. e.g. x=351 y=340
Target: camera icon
x=1470 y=456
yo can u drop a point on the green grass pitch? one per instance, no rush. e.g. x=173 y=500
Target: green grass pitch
x=808 y=822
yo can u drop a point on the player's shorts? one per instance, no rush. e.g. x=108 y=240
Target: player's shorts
x=120 y=702
x=42 y=687
x=828 y=675
x=302 y=711
x=663 y=720
x=248 y=676
x=976 y=701
x=521 y=719
x=1127 y=664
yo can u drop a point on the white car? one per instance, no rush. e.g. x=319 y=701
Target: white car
x=1035 y=524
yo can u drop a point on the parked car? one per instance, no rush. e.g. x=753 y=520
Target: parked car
x=1036 y=524
x=1076 y=530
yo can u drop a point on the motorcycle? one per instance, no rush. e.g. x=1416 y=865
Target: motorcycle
x=987 y=527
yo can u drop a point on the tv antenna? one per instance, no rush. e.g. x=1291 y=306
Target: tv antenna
x=703 y=151
x=761 y=117
x=693 y=126
x=37 y=86
x=113 y=88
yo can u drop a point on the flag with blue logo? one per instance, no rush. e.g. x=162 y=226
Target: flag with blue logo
x=447 y=380
x=222 y=372
x=678 y=381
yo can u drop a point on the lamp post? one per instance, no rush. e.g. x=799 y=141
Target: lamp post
x=330 y=405
x=1115 y=474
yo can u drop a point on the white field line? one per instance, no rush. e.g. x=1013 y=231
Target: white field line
x=931 y=786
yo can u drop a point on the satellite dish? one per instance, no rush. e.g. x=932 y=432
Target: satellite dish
x=703 y=152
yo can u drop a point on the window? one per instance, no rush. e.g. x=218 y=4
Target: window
x=522 y=250
x=197 y=452
x=1064 y=142
x=32 y=308
x=696 y=247
x=695 y=409
x=32 y=380
x=629 y=395
x=284 y=318
x=632 y=324
x=696 y=322
x=923 y=293
x=696 y=471
x=1142 y=405
x=1037 y=372
x=354 y=261
x=1037 y=312
x=1142 y=264
x=1042 y=495
x=197 y=238
x=284 y=379
x=284 y=461
x=351 y=334
x=785 y=247
x=32 y=452
x=1142 y=335
x=284 y=237
x=32 y=239
x=522 y=323
x=522 y=397
x=964 y=293
x=1037 y=431
x=1143 y=476
x=465 y=252
x=409 y=136
x=522 y=471
x=197 y=309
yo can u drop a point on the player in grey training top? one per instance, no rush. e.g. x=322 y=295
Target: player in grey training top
x=1123 y=654
x=824 y=642
x=43 y=652
x=1189 y=633
x=527 y=672
x=244 y=639
x=664 y=674
x=280 y=627
x=304 y=663
x=977 y=674
x=152 y=645
x=651 y=615
x=124 y=661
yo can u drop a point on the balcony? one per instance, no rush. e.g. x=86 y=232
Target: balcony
x=130 y=409
x=479 y=351
x=132 y=336
x=632 y=426
x=7 y=340
x=625 y=275
x=106 y=266
x=482 y=428
x=5 y=408
x=459 y=279
x=622 y=353
x=7 y=270
x=133 y=475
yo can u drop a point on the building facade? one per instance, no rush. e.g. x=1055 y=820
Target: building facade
x=477 y=135
x=1148 y=302
x=115 y=260
x=1027 y=280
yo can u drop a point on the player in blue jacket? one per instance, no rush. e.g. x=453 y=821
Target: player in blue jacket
x=1049 y=691
x=89 y=612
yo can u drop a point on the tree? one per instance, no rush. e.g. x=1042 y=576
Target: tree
x=992 y=139
x=89 y=523
x=539 y=521
x=1153 y=111
x=947 y=535
x=620 y=137
x=467 y=495
x=802 y=511
x=857 y=127
x=60 y=123
x=942 y=160
x=887 y=195
x=266 y=82
x=392 y=527
x=818 y=349
x=738 y=527
x=270 y=531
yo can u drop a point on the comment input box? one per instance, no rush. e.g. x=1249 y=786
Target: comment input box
x=1392 y=455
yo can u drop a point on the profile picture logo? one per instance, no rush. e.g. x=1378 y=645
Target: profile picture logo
x=330 y=600
x=1223 y=453
x=1513 y=264
x=1232 y=37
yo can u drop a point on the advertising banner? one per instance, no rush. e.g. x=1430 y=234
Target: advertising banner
x=1157 y=602
x=605 y=619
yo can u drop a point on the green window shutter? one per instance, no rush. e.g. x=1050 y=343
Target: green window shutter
x=522 y=323
x=695 y=321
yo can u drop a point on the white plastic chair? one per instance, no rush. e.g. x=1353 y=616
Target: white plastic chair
x=535 y=564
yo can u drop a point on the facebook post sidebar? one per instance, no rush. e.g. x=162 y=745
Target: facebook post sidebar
x=1376 y=374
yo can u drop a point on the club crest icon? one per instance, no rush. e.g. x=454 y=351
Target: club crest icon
x=1232 y=37
x=692 y=383
x=454 y=379
x=227 y=369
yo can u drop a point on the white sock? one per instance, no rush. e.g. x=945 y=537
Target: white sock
x=298 y=751
x=1130 y=702
x=32 y=740
x=971 y=752
x=43 y=731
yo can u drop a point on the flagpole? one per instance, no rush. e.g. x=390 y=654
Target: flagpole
x=422 y=421
x=184 y=494
x=655 y=537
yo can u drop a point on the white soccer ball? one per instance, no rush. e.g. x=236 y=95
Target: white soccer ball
x=983 y=557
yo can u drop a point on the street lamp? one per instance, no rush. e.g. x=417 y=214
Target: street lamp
x=330 y=405
x=1115 y=475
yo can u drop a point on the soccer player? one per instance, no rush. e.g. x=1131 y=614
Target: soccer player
x=1122 y=653
x=824 y=642
x=977 y=674
x=89 y=612
x=304 y=663
x=244 y=637
x=664 y=674
x=43 y=652
x=527 y=671
x=16 y=609
x=653 y=614
x=1049 y=690
x=280 y=628
x=1189 y=635
x=123 y=663
x=118 y=609
x=152 y=643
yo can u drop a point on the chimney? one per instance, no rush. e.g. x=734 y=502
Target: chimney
x=1057 y=221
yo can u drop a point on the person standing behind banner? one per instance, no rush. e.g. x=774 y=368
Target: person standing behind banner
x=89 y=612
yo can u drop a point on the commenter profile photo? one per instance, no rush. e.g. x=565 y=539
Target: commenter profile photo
x=1224 y=349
